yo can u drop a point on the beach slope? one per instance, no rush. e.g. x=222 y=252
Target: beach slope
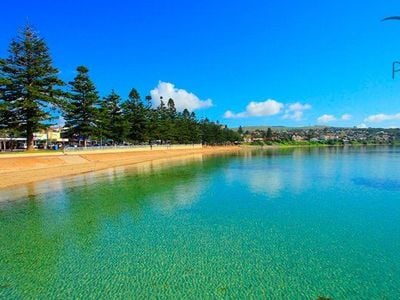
x=26 y=168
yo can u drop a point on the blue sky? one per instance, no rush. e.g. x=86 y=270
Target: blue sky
x=248 y=62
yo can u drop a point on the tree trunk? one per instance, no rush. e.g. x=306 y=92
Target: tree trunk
x=29 y=139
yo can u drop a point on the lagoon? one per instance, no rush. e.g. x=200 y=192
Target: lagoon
x=294 y=223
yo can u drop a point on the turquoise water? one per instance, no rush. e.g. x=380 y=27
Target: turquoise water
x=277 y=224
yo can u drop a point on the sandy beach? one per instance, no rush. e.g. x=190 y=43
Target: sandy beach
x=20 y=169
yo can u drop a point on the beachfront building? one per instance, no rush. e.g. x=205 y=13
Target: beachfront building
x=9 y=142
x=50 y=136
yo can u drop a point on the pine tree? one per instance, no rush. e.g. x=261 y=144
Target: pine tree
x=4 y=116
x=171 y=122
x=112 y=122
x=269 y=134
x=182 y=127
x=162 y=121
x=29 y=87
x=82 y=112
x=151 y=121
x=135 y=115
x=171 y=108
x=195 y=132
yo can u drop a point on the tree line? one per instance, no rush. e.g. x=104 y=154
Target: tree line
x=31 y=93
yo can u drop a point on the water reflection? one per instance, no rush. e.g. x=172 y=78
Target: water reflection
x=169 y=185
x=60 y=185
x=194 y=216
x=44 y=229
x=378 y=183
x=270 y=172
x=268 y=182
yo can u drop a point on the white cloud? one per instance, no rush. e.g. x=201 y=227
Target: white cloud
x=269 y=107
x=382 y=117
x=362 y=125
x=298 y=106
x=295 y=111
x=182 y=98
x=266 y=108
x=330 y=118
x=231 y=115
x=296 y=115
x=346 y=117
x=326 y=118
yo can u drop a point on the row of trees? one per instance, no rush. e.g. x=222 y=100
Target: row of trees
x=31 y=93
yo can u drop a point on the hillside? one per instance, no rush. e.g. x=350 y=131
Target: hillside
x=278 y=128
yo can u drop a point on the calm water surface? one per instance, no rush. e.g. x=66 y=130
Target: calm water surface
x=277 y=224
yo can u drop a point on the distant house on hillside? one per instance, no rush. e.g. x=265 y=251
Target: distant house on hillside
x=297 y=138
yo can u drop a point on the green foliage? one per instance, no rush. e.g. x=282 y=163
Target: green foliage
x=257 y=143
x=187 y=129
x=135 y=114
x=4 y=115
x=30 y=91
x=82 y=113
x=269 y=133
x=29 y=85
x=214 y=133
x=112 y=123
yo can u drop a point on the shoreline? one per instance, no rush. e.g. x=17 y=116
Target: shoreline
x=28 y=168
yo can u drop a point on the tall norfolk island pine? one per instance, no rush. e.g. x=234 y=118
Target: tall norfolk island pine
x=136 y=114
x=81 y=111
x=28 y=84
x=112 y=122
x=30 y=90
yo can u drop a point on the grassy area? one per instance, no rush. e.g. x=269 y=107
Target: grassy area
x=315 y=144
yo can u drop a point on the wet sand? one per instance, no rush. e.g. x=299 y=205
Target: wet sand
x=27 y=168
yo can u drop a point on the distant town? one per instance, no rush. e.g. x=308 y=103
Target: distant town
x=56 y=137
x=318 y=135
